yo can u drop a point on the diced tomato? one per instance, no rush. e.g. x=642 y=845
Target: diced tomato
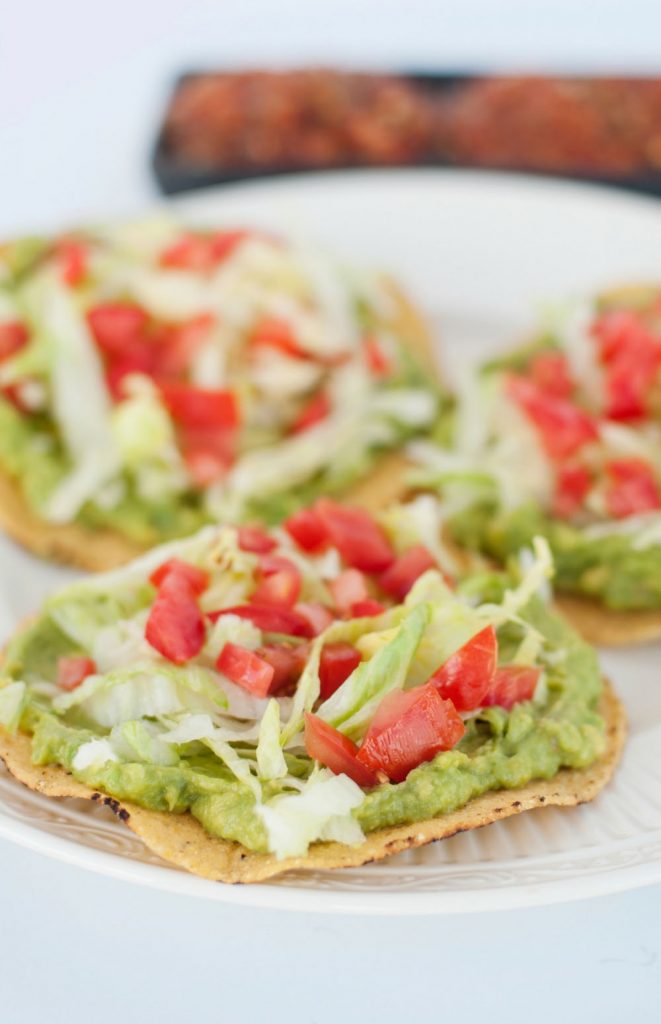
x=176 y=344
x=280 y=583
x=571 y=488
x=246 y=669
x=71 y=256
x=13 y=336
x=510 y=685
x=405 y=570
x=620 y=332
x=336 y=664
x=197 y=578
x=631 y=355
x=378 y=363
x=367 y=608
x=279 y=335
x=256 y=540
x=306 y=529
x=118 y=327
x=628 y=382
x=318 y=615
x=73 y=669
x=190 y=252
x=269 y=618
x=175 y=627
x=316 y=410
x=327 y=745
x=201 y=252
x=287 y=663
x=348 y=589
x=118 y=369
x=409 y=728
x=223 y=243
x=465 y=677
x=562 y=426
x=208 y=452
x=550 y=372
x=633 y=488
x=201 y=408
x=360 y=540
x=205 y=467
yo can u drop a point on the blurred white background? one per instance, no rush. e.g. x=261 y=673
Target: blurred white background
x=82 y=85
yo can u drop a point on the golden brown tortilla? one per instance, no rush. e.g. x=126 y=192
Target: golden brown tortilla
x=181 y=840
x=102 y=549
x=607 y=627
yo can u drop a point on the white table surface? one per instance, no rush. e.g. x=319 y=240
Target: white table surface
x=81 y=85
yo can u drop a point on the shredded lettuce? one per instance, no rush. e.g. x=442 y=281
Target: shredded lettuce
x=352 y=706
x=270 y=758
x=140 y=741
x=141 y=691
x=12 y=701
x=321 y=811
x=93 y=754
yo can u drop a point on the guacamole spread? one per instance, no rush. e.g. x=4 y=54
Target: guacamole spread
x=292 y=687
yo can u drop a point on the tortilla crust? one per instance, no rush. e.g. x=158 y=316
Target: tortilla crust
x=102 y=549
x=182 y=841
x=607 y=627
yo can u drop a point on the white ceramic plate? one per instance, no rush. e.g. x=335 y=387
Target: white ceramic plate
x=478 y=252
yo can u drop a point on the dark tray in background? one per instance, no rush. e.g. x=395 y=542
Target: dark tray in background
x=176 y=175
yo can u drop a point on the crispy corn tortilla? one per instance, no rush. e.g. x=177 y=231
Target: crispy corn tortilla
x=102 y=549
x=606 y=627
x=181 y=840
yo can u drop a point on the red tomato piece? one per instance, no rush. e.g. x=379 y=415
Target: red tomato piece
x=223 y=243
x=562 y=426
x=327 y=745
x=362 y=543
x=318 y=615
x=73 y=669
x=200 y=407
x=571 y=488
x=405 y=570
x=367 y=608
x=204 y=466
x=348 y=589
x=175 y=627
x=175 y=345
x=279 y=335
x=337 y=663
x=280 y=583
x=629 y=380
x=118 y=327
x=71 y=256
x=287 y=664
x=190 y=252
x=510 y=685
x=306 y=529
x=620 y=332
x=197 y=578
x=13 y=336
x=378 y=362
x=316 y=410
x=465 y=677
x=633 y=488
x=255 y=540
x=409 y=728
x=246 y=669
x=550 y=372
x=269 y=618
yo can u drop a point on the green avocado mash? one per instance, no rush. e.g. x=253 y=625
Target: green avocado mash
x=501 y=749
